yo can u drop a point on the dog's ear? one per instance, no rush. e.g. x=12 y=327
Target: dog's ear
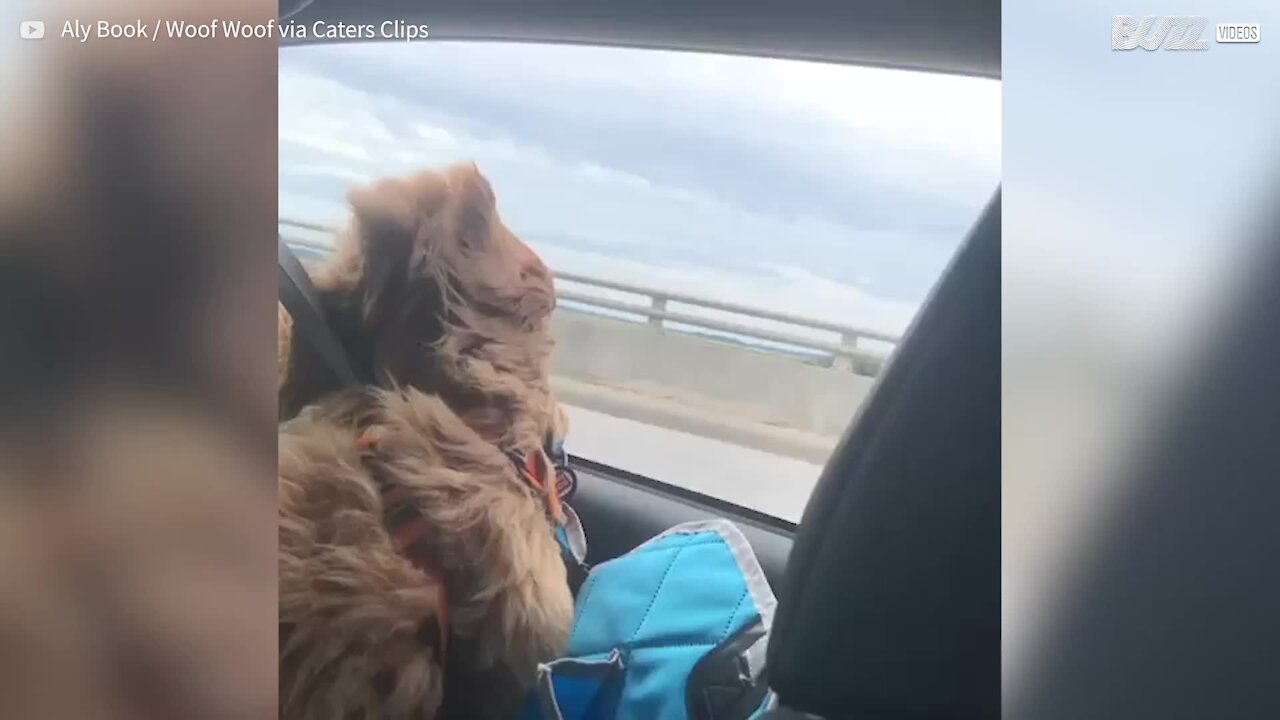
x=402 y=228
x=432 y=252
x=428 y=225
x=395 y=221
x=474 y=205
x=495 y=267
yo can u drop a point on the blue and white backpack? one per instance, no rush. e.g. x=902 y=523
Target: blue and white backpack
x=676 y=629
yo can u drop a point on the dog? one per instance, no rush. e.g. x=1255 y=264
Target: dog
x=448 y=313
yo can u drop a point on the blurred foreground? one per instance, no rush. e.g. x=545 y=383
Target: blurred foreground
x=137 y=443
x=1141 y=343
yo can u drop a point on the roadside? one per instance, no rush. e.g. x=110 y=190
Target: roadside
x=685 y=414
x=752 y=478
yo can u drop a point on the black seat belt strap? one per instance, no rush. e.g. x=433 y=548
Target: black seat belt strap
x=299 y=297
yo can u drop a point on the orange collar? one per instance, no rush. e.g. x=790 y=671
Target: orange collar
x=536 y=470
x=408 y=529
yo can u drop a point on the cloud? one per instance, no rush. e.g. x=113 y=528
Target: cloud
x=713 y=170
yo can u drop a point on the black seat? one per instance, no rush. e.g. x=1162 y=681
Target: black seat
x=891 y=603
x=298 y=296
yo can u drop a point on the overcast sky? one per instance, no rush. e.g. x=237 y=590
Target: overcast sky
x=1131 y=177
x=832 y=191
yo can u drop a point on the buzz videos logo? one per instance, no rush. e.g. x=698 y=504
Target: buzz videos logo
x=1171 y=33
x=1152 y=32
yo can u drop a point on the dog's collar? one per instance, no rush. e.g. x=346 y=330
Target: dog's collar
x=549 y=474
x=408 y=530
x=546 y=472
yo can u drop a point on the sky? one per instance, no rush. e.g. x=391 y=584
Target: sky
x=1131 y=176
x=833 y=192
x=1134 y=184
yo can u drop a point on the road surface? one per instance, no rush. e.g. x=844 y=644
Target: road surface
x=758 y=480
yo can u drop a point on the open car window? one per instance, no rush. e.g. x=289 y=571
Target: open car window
x=738 y=241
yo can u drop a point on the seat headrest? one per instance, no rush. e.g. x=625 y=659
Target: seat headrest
x=891 y=603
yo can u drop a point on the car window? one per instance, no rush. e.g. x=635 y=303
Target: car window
x=739 y=242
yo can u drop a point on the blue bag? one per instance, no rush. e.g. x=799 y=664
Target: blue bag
x=674 y=630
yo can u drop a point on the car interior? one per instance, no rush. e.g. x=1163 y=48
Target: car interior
x=889 y=586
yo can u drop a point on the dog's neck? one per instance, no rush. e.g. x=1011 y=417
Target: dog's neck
x=493 y=374
x=500 y=392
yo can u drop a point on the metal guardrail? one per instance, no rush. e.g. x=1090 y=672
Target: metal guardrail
x=845 y=354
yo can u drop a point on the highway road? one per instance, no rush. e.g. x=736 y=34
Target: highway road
x=758 y=480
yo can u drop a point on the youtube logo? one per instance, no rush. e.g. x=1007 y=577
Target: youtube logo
x=31 y=30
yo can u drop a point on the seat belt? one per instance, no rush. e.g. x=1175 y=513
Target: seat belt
x=298 y=296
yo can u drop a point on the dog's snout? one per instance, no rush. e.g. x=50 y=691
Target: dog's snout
x=530 y=263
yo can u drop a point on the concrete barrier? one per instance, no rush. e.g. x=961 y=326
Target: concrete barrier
x=652 y=373
x=697 y=383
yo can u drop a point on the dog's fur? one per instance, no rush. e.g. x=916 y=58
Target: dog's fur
x=448 y=312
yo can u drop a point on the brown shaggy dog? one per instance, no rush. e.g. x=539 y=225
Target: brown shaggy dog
x=449 y=312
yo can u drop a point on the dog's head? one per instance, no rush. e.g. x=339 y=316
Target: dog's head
x=430 y=289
